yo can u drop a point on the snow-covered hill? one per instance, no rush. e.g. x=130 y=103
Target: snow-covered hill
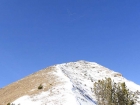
x=74 y=85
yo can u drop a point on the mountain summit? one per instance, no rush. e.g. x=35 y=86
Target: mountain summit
x=62 y=84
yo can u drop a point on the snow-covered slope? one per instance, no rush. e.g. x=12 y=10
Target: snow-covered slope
x=75 y=85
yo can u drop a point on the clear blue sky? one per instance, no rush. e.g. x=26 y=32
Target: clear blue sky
x=35 y=34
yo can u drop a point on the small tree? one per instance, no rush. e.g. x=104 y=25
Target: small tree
x=110 y=93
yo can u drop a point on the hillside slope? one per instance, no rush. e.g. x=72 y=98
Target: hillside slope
x=63 y=84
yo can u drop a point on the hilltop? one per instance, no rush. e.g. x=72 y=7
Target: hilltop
x=63 y=84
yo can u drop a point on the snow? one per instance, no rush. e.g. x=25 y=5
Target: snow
x=77 y=85
x=26 y=100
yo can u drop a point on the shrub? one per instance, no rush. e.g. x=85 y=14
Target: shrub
x=110 y=93
x=40 y=86
x=8 y=104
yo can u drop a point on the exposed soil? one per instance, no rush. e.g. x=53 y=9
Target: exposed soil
x=29 y=85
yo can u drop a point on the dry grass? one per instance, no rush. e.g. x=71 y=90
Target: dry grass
x=28 y=85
